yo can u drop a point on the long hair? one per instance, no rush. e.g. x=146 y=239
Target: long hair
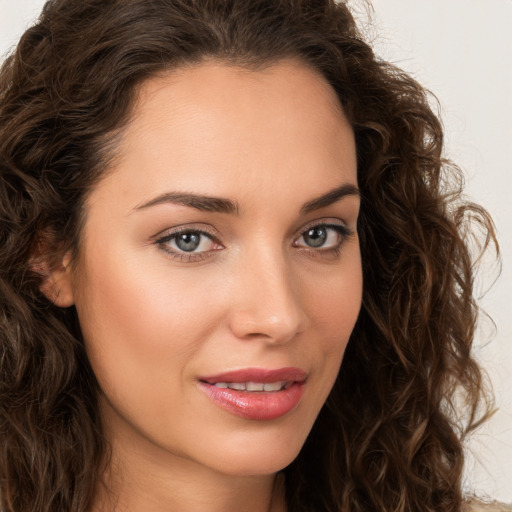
x=390 y=436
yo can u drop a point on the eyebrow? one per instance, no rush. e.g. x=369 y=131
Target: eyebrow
x=199 y=202
x=221 y=205
x=334 y=195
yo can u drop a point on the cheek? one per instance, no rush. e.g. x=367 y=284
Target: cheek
x=140 y=325
x=334 y=303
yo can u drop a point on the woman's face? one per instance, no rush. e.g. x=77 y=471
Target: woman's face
x=220 y=273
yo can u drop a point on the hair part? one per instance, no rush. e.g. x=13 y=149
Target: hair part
x=387 y=438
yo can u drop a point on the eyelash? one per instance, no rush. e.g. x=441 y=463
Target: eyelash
x=343 y=232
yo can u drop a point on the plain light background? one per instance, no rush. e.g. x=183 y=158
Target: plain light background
x=462 y=51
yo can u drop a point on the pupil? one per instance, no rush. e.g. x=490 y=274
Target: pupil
x=316 y=237
x=188 y=241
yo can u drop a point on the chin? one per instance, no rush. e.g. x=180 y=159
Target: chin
x=257 y=464
x=255 y=453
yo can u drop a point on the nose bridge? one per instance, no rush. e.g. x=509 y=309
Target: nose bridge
x=268 y=301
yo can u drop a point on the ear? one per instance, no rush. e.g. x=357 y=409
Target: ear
x=57 y=282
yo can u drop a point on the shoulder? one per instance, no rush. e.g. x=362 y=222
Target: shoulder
x=481 y=506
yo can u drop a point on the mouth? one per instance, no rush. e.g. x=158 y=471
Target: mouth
x=254 y=387
x=256 y=394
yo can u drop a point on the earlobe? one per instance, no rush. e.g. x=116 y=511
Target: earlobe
x=57 y=284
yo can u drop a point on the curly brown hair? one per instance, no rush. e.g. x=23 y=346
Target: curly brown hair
x=390 y=436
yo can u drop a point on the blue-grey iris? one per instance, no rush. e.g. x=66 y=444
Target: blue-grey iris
x=316 y=236
x=188 y=241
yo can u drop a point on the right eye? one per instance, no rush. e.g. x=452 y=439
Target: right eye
x=188 y=243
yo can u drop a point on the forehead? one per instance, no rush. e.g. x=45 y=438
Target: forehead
x=215 y=83
x=221 y=129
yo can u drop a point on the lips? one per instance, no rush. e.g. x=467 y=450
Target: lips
x=255 y=393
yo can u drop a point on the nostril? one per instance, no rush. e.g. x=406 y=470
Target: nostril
x=265 y=302
x=255 y=324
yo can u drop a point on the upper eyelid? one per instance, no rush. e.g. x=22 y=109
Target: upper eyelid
x=213 y=234
x=210 y=232
x=328 y=221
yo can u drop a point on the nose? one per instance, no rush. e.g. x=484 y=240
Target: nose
x=266 y=301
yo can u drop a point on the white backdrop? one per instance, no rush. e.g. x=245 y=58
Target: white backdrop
x=462 y=51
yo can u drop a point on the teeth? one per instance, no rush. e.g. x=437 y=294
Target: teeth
x=254 y=386
x=273 y=386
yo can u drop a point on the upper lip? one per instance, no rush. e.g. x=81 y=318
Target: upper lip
x=264 y=375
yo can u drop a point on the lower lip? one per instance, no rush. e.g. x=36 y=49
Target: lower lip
x=256 y=405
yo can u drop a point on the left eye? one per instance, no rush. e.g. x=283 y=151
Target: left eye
x=322 y=236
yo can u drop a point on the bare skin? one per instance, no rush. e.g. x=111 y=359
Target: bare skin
x=169 y=291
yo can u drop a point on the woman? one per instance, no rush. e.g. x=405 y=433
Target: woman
x=207 y=206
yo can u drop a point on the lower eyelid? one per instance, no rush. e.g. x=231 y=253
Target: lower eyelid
x=183 y=256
